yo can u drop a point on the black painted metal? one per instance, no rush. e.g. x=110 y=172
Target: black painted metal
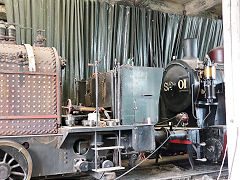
x=190 y=48
x=178 y=79
x=60 y=147
x=183 y=89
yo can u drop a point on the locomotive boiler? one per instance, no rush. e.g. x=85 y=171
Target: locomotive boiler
x=192 y=97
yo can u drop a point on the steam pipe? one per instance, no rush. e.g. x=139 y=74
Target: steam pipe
x=161 y=135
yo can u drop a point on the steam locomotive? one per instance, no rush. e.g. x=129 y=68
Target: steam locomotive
x=116 y=114
x=193 y=94
x=39 y=137
x=191 y=107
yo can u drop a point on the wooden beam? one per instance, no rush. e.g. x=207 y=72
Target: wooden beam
x=196 y=7
x=231 y=31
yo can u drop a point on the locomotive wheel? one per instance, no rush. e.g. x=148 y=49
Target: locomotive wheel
x=15 y=161
x=213 y=150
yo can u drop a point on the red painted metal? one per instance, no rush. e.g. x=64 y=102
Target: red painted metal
x=217 y=54
x=178 y=141
x=225 y=144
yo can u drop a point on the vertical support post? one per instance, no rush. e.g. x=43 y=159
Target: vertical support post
x=96 y=89
x=119 y=92
x=231 y=31
x=119 y=150
x=115 y=89
x=95 y=146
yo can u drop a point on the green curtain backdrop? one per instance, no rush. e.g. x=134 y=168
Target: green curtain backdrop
x=87 y=30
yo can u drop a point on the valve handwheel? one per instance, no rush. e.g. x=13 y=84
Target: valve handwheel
x=15 y=161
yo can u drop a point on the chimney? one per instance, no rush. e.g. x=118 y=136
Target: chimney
x=190 y=48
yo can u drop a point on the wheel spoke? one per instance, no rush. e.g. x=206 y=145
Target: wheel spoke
x=14 y=166
x=11 y=160
x=17 y=173
x=5 y=157
x=19 y=167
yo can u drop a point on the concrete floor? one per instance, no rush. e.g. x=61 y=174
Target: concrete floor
x=172 y=167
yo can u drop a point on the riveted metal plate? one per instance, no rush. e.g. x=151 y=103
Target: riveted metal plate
x=13 y=58
x=30 y=96
x=45 y=59
x=27 y=95
x=29 y=101
x=27 y=126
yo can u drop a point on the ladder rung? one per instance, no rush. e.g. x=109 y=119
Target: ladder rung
x=110 y=147
x=108 y=169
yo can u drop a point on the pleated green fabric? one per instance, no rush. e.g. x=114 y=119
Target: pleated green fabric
x=87 y=30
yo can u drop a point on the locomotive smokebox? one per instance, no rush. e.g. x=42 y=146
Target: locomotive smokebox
x=190 y=48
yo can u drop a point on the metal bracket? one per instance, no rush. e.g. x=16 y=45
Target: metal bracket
x=62 y=140
x=31 y=58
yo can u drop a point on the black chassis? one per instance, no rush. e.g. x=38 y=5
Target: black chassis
x=53 y=154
